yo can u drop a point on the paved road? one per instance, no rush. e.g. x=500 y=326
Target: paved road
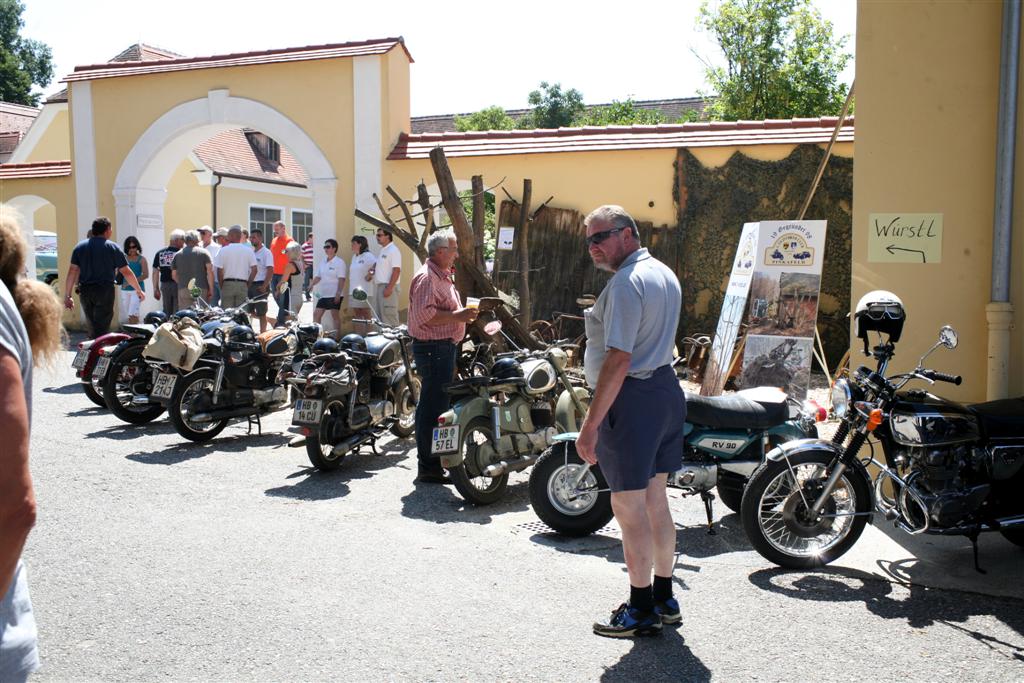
x=157 y=559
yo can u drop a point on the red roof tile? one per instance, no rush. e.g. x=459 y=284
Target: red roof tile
x=291 y=54
x=37 y=169
x=605 y=138
x=230 y=154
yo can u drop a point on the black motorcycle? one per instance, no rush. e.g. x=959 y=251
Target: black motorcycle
x=354 y=392
x=238 y=375
x=945 y=468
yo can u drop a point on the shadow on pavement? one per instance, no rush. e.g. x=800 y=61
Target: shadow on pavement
x=73 y=388
x=317 y=485
x=188 y=450
x=123 y=431
x=923 y=606
x=443 y=504
x=659 y=658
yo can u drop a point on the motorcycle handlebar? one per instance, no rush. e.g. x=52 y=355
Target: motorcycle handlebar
x=943 y=377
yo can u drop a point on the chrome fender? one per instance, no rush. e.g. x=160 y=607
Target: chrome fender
x=800 y=446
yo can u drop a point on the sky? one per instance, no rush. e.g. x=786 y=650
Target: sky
x=468 y=55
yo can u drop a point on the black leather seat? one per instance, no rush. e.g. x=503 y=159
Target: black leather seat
x=733 y=411
x=1001 y=419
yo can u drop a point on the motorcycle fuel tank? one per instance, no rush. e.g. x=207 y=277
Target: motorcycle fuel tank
x=922 y=419
x=540 y=376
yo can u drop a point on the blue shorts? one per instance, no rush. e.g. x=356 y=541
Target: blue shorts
x=642 y=434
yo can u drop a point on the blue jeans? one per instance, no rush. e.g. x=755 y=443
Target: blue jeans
x=435 y=365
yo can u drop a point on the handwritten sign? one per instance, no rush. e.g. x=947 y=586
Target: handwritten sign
x=905 y=238
x=506 y=236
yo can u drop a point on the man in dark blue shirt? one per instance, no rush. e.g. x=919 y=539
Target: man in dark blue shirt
x=94 y=263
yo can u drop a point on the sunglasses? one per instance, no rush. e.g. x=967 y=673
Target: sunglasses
x=599 y=237
x=327 y=246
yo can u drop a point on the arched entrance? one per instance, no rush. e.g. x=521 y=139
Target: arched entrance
x=26 y=206
x=140 y=189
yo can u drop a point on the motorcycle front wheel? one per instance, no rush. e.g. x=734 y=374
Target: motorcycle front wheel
x=321 y=453
x=776 y=518
x=468 y=477
x=578 y=512
x=186 y=391
x=128 y=377
x=405 y=410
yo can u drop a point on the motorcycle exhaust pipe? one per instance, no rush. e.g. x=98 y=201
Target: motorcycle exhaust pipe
x=352 y=442
x=223 y=414
x=515 y=465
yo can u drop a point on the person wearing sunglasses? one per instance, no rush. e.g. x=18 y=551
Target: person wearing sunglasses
x=330 y=285
x=386 y=273
x=634 y=427
x=130 y=302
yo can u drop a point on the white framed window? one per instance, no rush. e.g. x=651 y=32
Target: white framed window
x=302 y=224
x=263 y=218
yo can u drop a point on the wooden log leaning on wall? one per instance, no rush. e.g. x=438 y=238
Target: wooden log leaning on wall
x=479 y=282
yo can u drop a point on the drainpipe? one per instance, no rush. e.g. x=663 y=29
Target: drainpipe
x=213 y=223
x=999 y=311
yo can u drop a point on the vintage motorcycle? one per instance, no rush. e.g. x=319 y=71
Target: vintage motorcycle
x=240 y=374
x=501 y=422
x=354 y=392
x=91 y=365
x=725 y=439
x=946 y=468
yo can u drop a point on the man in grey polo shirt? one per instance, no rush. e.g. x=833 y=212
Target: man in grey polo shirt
x=634 y=427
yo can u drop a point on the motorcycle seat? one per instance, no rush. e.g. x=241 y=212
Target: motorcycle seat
x=1001 y=419
x=468 y=384
x=749 y=409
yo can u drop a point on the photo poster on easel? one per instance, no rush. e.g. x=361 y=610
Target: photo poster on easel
x=774 y=285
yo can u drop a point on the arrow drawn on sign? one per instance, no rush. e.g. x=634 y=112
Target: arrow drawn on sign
x=892 y=248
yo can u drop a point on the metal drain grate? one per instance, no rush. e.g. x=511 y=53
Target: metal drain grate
x=538 y=527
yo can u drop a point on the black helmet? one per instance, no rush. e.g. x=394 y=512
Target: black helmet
x=155 y=318
x=325 y=345
x=506 y=368
x=186 y=313
x=238 y=315
x=353 y=342
x=879 y=311
x=241 y=334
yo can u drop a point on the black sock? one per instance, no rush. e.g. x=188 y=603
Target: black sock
x=662 y=588
x=641 y=598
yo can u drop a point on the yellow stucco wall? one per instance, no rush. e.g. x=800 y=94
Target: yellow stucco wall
x=927 y=95
x=55 y=143
x=188 y=202
x=233 y=205
x=395 y=97
x=46 y=218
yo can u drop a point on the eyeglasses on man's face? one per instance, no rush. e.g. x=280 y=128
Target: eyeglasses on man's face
x=599 y=237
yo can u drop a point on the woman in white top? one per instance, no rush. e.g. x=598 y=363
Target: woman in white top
x=330 y=285
x=363 y=261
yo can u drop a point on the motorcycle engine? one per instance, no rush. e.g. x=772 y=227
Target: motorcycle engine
x=694 y=477
x=940 y=478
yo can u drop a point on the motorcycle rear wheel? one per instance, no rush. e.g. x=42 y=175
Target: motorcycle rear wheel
x=470 y=483
x=321 y=455
x=122 y=379
x=92 y=391
x=1015 y=536
x=186 y=390
x=405 y=410
x=550 y=480
x=774 y=512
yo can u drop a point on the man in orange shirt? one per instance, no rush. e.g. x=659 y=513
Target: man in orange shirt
x=278 y=245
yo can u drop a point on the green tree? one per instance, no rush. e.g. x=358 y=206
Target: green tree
x=781 y=60
x=23 y=61
x=491 y=118
x=618 y=114
x=552 y=107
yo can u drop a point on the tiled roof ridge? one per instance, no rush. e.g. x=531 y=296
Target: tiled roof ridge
x=692 y=127
x=37 y=164
x=241 y=55
x=140 y=46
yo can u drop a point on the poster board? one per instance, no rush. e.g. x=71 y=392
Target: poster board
x=774 y=285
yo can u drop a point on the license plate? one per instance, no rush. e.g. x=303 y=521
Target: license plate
x=445 y=440
x=163 y=387
x=307 y=411
x=100 y=370
x=79 y=362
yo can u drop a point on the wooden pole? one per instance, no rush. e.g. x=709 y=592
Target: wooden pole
x=522 y=244
x=828 y=155
x=479 y=207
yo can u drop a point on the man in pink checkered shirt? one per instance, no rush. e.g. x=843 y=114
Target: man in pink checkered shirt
x=437 y=322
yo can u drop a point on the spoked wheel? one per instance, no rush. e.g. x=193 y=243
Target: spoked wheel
x=405 y=409
x=193 y=395
x=578 y=511
x=468 y=477
x=93 y=390
x=321 y=453
x=777 y=518
x=128 y=385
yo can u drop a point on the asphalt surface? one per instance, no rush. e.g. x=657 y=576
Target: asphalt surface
x=155 y=559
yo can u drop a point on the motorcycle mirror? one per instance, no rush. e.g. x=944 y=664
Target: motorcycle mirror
x=359 y=294
x=492 y=328
x=947 y=337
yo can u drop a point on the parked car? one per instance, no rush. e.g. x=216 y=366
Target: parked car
x=46 y=256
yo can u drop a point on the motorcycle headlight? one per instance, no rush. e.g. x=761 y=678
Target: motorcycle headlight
x=841 y=398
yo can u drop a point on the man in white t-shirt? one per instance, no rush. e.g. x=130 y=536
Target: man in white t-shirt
x=329 y=283
x=261 y=282
x=236 y=269
x=386 y=273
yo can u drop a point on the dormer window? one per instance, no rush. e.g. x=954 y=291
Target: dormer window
x=264 y=145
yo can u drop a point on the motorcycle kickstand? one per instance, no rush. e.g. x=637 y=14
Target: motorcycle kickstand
x=973 y=537
x=259 y=425
x=707 y=498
